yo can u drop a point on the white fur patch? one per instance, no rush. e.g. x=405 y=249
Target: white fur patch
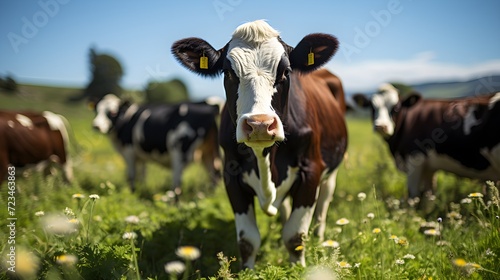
x=109 y=104
x=24 y=121
x=494 y=100
x=138 y=130
x=282 y=190
x=383 y=102
x=182 y=130
x=183 y=110
x=130 y=112
x=470 y=120
x=264 y=187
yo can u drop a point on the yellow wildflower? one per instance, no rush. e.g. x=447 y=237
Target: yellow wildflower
x=342 y=222
x=299 y=248
x=459 y=262
x=330 y=243
x=66 y=260
x=344 y=264
x=188 y=253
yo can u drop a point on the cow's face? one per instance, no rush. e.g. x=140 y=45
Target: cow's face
x=106 y=113
x=257 y=68
x=256 y=80
x=384 y=103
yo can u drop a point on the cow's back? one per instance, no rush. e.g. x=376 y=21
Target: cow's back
x=155 y=130
x=24 y=144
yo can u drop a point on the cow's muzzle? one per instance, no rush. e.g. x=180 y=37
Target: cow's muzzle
x=260 y=130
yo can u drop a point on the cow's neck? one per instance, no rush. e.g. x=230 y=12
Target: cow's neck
x=267 y=192
x=395 y=139
x=120 y=121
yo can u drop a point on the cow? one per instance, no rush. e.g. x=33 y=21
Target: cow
x=165 y=134
x=283 y=130
x=461 y=136
x=29 y=139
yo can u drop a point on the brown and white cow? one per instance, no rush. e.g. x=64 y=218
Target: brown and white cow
x=461 y=136
x=31 y=138
x=282 y=129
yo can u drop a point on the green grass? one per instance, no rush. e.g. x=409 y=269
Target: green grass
x=383 y=239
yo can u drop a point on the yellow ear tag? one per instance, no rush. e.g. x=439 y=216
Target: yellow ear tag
x=310 y=58
x=203 y=62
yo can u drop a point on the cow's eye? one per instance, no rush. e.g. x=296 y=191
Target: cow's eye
x=285 y=75
x=111 y=114
x=287 y=72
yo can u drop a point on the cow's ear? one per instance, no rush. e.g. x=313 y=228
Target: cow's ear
x=313 y=51
x=361 y=100
x=411 y=100
x=199 y=56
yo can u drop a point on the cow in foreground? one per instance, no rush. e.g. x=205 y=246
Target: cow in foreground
x=33 y=139
x=166 y=134
x=461 y=136
x=282 y=130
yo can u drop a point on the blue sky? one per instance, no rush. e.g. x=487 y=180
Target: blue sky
x=47 y=41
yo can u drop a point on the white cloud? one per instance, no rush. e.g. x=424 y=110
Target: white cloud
x=366 y=76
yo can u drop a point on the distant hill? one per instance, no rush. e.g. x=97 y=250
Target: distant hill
x=452 y=89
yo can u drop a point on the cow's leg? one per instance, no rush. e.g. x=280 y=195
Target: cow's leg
x=248 y=236
x=327 y=188
x=178 y=164
x=295 y=232
x=285 y=210
x=420 y=184
x=67 y=168
x=242 y=203
x=296 y=228
x=140 y=167
x=130 y=159
x=427 y=201
x=414 y=181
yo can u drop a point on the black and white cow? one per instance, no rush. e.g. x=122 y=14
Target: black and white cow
x=165 y=134
x=461 y=136
x=282 y=131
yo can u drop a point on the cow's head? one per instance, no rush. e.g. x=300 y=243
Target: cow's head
x=384 y=102
x=106 y=112
x=257 y=67
x=386 y=105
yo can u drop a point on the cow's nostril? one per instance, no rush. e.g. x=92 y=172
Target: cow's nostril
x=380 y=128
x=247 y=126
x=273 y=126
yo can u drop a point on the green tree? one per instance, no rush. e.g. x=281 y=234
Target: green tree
x=106 y=75
x=8 y=84
x=172 y=91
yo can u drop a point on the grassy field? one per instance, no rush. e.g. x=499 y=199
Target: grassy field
x=108 y=232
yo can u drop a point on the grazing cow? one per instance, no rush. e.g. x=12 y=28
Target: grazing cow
x=283 y=130
x=165 y=134
x=31 y=138
x=461 y=136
